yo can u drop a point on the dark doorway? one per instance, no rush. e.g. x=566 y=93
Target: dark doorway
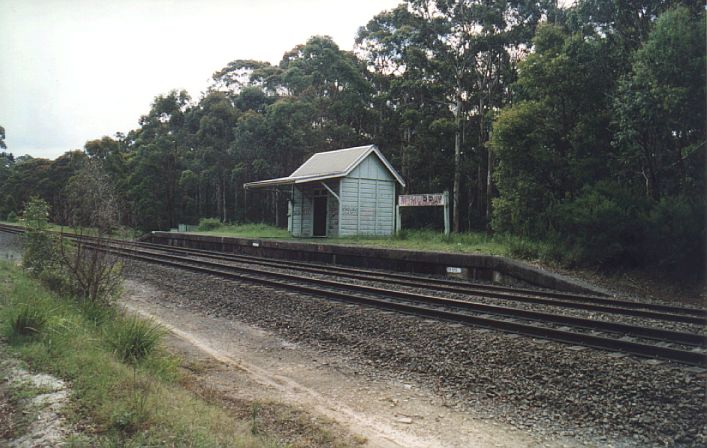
x=319 y=228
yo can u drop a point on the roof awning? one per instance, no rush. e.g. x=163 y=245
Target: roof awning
x=290 y=180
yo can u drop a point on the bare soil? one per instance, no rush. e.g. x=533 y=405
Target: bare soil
x=7 y=414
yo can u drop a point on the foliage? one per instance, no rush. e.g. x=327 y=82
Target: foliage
x=660 y=108
x=603 y=159
x=29 y=319
x=94 y=273
x=601 y=225
x=254 y=230
x=132 y=339
x=12 y=217
x=123 y=405
x=208 y=224
x=39 y=250
x=524 y=111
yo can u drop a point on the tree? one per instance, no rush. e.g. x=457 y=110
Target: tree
x=555 y=139
x=159 y=150
x=92 y=212
x=38 y=253
x=660 y=108
x=459 y=52
x=217 y=116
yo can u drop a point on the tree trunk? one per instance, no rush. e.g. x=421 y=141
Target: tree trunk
x=223 y=194
x=277 y=211
x=489 y=188
x=457 y=159
x=235 y=201
x=218 y=200
x=483 y=163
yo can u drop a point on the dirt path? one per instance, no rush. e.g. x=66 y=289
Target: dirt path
x=257 y=365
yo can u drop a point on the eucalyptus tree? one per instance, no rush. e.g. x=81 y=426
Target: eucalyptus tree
x=159 y=147
x=660 y=105
x=462 y=51
x=216 y=116
x=244 y=73
x=555 y=138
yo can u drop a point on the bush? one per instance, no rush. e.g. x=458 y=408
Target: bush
x=207 y=224
x=29 y=320
x=675 y=235
x=97 y=313
x=39 y=251
x=599 y=227
x=56 y=280
x=133 y=339
x=403 y=235
x=524 y=249
x=12 y=217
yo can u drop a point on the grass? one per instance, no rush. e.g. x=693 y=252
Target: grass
x=121 y=233
x=27 y=320
x=126 y=404
x=467 y=242
x=133 y=339
x=419 y=239
x=247 y=231
x=413 y=239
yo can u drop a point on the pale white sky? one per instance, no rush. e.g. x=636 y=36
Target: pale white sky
x=76 y=70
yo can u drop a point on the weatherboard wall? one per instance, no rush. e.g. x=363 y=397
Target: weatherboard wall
x=301 y=218
x=367 y=200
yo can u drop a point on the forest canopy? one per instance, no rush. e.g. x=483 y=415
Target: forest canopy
x=583 y=127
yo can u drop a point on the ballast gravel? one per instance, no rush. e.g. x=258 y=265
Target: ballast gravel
x=518 y=304
x=596 y=397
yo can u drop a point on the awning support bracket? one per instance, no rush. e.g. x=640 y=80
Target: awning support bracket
x=330 y=191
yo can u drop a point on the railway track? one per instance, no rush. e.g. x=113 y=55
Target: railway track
x=597 y=303
x=675 y=346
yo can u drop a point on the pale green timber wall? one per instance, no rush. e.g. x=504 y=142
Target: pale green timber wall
x=367 y=200
x=302 y=209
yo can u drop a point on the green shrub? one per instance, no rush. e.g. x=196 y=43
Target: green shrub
x=207 y=224
x=97 y=313
x=39 y=251
x=56 y=280
x=675 y=234
x=522 y=248
x=402 y=235
x=28 y=320
x=12 y=217
x=599 y=227
x=133 y=339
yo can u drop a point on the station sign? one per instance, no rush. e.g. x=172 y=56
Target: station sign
x=422 y=200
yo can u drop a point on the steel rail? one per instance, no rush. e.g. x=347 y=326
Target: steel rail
x=691 y=357
x=645 y=332
x=627 y=308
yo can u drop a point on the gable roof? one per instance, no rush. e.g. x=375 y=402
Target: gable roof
x=329 y=165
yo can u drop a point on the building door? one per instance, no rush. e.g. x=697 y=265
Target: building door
x=319 y=226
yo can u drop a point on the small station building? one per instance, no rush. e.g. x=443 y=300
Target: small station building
x=345 y=192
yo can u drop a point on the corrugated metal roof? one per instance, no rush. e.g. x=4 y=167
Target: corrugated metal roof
x=331 y=162
x=328 y=165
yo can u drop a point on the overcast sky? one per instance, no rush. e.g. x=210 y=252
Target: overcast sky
x=76 y=70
